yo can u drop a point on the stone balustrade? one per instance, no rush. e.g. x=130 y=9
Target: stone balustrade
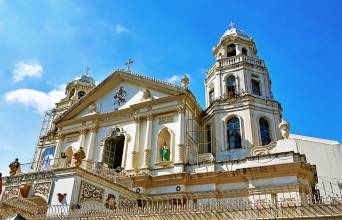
x=240 y=58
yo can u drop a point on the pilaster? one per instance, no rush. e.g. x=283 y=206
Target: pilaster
x=91 y=144
x=60 y=140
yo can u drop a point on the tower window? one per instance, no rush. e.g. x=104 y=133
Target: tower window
x=244 y=51
x=231 y=50
x=256 y=87
x=81 y=94
x=231 y=86
x=265 y=133
x=211 y=96
x=233 y=133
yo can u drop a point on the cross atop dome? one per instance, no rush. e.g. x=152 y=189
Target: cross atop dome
x=231 y=25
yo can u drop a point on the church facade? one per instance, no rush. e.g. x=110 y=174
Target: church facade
x=133 y=139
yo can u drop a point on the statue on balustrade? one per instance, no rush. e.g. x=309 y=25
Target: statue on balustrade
x=165 y=152
x=79 y=156
x=14 y=167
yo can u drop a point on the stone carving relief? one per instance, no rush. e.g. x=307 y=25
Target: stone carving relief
x=126 y=203
x=90 y=192
x=146 y=94
x=42 y=189
x=11 y=192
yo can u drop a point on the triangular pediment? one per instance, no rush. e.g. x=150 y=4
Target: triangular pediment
x=119 y=91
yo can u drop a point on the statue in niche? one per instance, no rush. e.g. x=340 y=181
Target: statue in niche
x=110 y=202
x=79 y=156
x=165 y=152
x=14 y=167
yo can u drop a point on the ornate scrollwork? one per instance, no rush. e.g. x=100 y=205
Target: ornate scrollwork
x=42 y=189
x=90 y=192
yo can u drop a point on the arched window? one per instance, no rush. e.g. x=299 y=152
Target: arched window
x=81 y=94
x=231 y=50
x=231 y=86
x=233 y=133
x=256 y=87
x=113 y=150
x=244 y=51
x=265 y=133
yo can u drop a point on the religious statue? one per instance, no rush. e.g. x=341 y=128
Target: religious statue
x=284 y=129
x=14 y=167
x=68 y=156
x=79 y=156
x=165 y=152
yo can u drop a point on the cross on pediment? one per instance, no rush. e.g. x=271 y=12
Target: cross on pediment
x=128 y=64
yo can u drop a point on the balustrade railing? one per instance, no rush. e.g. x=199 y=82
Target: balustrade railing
x=96 y=168
x=241 y=58
x=266 y=209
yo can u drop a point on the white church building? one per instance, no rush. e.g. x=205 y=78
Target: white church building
x=132 y=140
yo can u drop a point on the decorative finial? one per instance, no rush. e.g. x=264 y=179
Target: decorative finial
x=185 y=81
x=231 y=25
x=128 y=64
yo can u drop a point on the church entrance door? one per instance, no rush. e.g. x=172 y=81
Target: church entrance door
x=113 y=151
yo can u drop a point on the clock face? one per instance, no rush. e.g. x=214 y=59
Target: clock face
x=119 y=98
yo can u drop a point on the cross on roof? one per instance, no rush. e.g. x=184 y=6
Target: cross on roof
x=87 y=72
x=128 y=64
x=231 y=25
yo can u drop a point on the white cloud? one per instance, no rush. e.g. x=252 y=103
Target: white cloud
x=176 y=79
x=38 y=100
x=121 y=29
x=23 y=70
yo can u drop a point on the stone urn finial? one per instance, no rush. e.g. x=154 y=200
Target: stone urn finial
x=79 y=156
x=284 y=128
x=185 y=82
x=14 y=167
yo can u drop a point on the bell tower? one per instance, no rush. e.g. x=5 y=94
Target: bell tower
x=240 y=108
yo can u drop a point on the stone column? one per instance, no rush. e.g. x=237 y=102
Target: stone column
x=179 y=151
x=60 y=140
x=83 y=133
x=91 y=144
x=135 y=152
x=148 y=139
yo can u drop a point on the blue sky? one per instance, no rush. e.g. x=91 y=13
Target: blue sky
x=45 y=44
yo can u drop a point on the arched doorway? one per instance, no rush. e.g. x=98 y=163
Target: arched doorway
x=113 y=150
